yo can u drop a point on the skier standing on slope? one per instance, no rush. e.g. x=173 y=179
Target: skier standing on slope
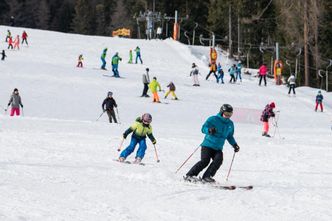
x=319 y=101
x=10 y=43
x=232 y=71
x=217 y=129
x=213 y=69
x=172 y=88
x=3 y=54
x=9 y=35
x=138 y=55
x=140 y=129
x=130 y=57
x=220 y=75
x=195 y=72
x=291 y=81
x=266 y=114
x=146 y=82
x=115 y=64
x=108 y=106
x=15 y=101
x=24 y=37
x=103 y=59
x=80 y=61
x=238 y=71
x=262 y=74
x=17 y=42
x=154 y=85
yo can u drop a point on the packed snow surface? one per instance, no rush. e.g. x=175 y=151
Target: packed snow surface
x=57 y=161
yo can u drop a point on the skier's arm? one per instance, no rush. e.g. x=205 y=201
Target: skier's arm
x=115 y=105
x=151 y=137
x=104 y=103
x=230 y=138
x=10 y=100
x=158 y=85
x=206 y=126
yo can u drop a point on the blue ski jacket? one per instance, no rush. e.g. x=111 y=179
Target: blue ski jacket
x=224 y=131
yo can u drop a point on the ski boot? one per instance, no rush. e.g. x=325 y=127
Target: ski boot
x=209 y=180
x=137 y=160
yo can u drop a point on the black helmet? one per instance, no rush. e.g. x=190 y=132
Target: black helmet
x=226 y=108
x=147 y=69
x=146 y=118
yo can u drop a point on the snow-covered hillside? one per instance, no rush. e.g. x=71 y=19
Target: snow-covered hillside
x=57 y=162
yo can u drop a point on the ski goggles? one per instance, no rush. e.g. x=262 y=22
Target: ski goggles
x=227 y=114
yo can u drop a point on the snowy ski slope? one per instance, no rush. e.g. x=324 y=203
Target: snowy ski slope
x=57 y=162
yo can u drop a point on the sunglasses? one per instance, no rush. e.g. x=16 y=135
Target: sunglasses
x=227 y=114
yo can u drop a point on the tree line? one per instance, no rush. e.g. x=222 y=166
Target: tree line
x=246 y=28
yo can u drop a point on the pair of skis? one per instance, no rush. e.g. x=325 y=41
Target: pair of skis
x=217 y=185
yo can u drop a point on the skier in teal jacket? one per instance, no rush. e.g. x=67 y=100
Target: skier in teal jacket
x=217 y=129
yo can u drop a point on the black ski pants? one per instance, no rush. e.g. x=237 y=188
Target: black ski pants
x=111 y=115
x=214 y=73
x=206 y=155
x=292 y=86
x=145 y=89
x=260 y=79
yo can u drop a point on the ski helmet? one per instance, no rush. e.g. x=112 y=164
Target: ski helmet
x=226 y=109
x=147 y=69
x=146 y=118
x=109 y=94
x=193 y=65
x=272 y=105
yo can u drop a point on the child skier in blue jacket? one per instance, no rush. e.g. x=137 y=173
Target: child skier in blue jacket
x=217 y=129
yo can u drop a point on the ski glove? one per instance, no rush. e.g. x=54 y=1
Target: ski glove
x=22 y=105
x=154 y=142
x=8 y=104
x=236 y=148
x=124 y=136
x=212 y=130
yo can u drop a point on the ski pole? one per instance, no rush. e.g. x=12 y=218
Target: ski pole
x=117 y=112
x=100 y=115
x=22 y=112
x=155 y=151
x=187 y=159
x=229 y=171
x=119 y=149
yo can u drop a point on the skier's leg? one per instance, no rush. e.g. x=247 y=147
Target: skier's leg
x=126 y=152
x=265 y=127
x=12 y=110
x=294 y=89
x=290 y=88
x=174 y=95
x=215 y=165
x=113 y=116
x=264 y=79
x=321 y=106
x=167 y=93
x=141 y=149
x=204 y=162
x=260 y=80
x=109 y=114
x=316 y=106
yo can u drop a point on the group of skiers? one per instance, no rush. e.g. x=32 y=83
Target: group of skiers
x=234 y=72
x=15 y=44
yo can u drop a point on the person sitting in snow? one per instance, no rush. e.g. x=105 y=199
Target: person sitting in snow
x=140 y=129
x=266 y=114
x=195 y=72
x=80 y=61
x=319 y=101
x=172 y=88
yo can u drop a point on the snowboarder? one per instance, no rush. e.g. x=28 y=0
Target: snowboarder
x=291 y=81
x=141 y=128
x=10 y=43
x=103 y=59
x=217 y=129
x=194 y=72
x=15 y=102
x=138 y=55
x=9 y=35
x=172 y=88
x=238 y=71
x=266 y=114
x=80 y=61
x=3 y=55
x=146 y=82
x=262 y=74
x=24 y=37
x=319 y=101
x=17 y=42
x=130 y=57
x=213 y=69
x=115 y=64
x=220 y=75
x=231 y=72
x=108 y=106
x=154 y=85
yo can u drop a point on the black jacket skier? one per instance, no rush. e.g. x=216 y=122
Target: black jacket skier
x=108 y=106
x=3 y=55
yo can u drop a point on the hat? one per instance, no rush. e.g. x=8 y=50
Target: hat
x=272 y=105
x=15 y=89
x=109 y=94
x=147 y=69
x=155 y=78
x=319 y=92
